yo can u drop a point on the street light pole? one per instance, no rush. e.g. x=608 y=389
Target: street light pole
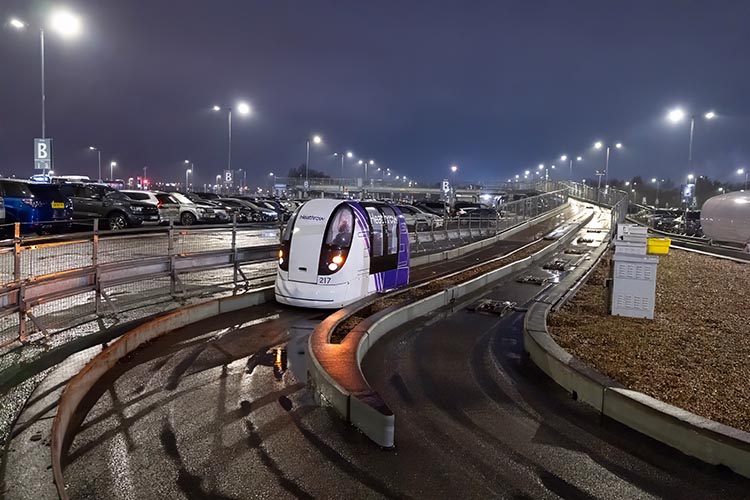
x=187 y=185
x=307 y=166
x=44 y=98
x=229 y=151
x=99 y=160
x=690 y=144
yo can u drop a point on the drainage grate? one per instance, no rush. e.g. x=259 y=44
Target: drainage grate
x=556 y=265
x=533 y=280
x=489 y=306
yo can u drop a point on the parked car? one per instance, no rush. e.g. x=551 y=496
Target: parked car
x=690 y=228
x=192 y=212
x=433 y=207
x=243 y=211
x=418 y=220
x=480 y=213
x=97 y=201
x=265 y=214
x=39 y=208
x=207 y=196
x=169 y=209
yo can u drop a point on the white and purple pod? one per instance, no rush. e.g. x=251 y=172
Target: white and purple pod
x=727 y=217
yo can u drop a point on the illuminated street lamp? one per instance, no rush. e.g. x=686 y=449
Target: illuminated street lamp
x=600 y=145
x=192 y=167
x=454 y=168
x=65 y=24
x=676 y=116
x=99 y=156
x=658 y=182
x=745 y=171
x=316 y=139
x=243 y=108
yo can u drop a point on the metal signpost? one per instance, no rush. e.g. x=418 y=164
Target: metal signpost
x=43 y=154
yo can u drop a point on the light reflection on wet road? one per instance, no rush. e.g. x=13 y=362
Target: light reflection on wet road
x=220 y=411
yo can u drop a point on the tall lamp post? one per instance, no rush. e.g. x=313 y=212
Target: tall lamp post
x=600 y=145
x=569 y=159
x=316 y=139
x=348 y=154
x=243 y=108
x=192 y=168
x=676 y=116
x=745 y=171
x=66 y=24
x=658 y=186
x=99 y=156
x=187 y=184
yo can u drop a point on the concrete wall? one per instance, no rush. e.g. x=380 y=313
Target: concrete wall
x=82 y=383
x=363 y=408
x=696 y=436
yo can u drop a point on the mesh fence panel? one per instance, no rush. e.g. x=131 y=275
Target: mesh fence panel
x=7 y=258
x=132 y=247
x=39 y=260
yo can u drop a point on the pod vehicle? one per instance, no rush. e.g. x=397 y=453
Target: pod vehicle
x=727 y=218
x=335 y=252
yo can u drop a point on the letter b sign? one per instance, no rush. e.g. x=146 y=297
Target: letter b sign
x=42 y=154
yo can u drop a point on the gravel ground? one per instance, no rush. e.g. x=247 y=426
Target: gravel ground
x=695 y=354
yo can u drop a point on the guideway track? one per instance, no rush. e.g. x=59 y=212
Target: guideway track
x=211 y=412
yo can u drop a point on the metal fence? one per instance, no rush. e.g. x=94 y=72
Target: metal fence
x=88 y=275
x=459 y=229
x=52 y=283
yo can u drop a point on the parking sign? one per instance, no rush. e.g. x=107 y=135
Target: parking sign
x=228 y=177
x=42 y=154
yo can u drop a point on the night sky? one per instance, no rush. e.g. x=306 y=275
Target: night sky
x=495 y=87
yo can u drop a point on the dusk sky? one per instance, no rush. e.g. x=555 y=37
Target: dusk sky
x=495 y=87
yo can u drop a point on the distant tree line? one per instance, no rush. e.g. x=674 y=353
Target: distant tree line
x=299 y=172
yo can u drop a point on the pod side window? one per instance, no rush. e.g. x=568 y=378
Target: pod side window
x=383 y=238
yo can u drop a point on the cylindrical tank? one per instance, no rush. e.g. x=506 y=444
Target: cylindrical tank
x=727 y=217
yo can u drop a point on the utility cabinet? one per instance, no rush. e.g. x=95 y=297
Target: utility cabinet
x=633 y=274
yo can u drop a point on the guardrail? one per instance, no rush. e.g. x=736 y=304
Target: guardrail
x=84 y=271
x=86 y=274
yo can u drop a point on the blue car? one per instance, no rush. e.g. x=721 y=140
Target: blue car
x=40 y=208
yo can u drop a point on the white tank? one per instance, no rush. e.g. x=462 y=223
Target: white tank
x=727 y=217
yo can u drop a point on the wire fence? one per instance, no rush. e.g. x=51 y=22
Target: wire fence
x=53 y=283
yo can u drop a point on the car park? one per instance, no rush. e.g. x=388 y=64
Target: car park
x=265 y=214
x=38 y=208
x=480 y=213
x=169 y=209
x=192 y=212
x=97 y=201
x=419 y=220
x=238 y=207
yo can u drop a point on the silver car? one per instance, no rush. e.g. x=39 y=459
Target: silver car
x=169 y=209
x=419 y=220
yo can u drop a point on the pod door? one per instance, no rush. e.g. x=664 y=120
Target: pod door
x=388 y=248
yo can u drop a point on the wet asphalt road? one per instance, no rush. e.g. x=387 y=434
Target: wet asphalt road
x=220 y=411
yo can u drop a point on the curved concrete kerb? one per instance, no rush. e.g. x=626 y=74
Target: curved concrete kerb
x=82 y=383
x=694 y=435
x=334 y=370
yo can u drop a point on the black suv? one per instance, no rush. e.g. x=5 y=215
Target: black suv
x=96 y=201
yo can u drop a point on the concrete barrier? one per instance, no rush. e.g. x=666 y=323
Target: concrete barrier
x=693 y=435
x=334 y=370
x=81 y=384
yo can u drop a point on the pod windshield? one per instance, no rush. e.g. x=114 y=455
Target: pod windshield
x=341 y=229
